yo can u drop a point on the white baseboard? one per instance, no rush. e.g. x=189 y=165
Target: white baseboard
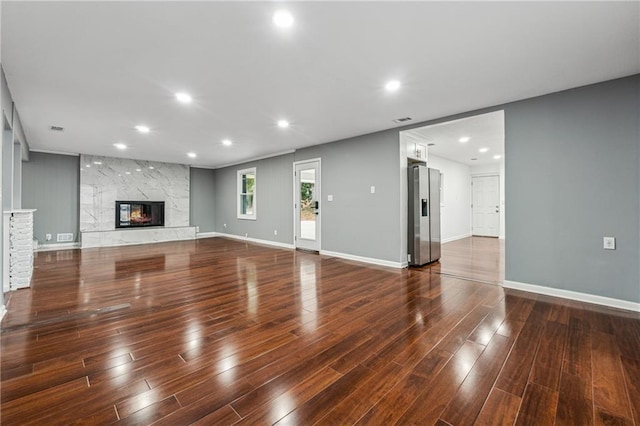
x=323 y=252
x=3 y=311
x=457 y=237
x=574 y=295
x=207 y=234
x=59 y=246
x=253 y=240
x=371 y=260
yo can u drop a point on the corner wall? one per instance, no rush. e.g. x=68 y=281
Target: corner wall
x=202 y=200
x=51 y=184
x=572 y=178
x=274 y=200
x=455 y=206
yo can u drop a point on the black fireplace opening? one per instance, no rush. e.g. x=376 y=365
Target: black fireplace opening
x=135 y=214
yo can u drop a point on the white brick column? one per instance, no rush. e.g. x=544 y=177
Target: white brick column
x=20 y=248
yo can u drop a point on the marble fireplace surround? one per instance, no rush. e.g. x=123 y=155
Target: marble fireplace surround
x=103 y=180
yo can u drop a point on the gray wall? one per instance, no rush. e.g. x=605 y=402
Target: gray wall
x=274 y=194
x=357 y=222
x=572 y=161
x=51 y=184
x=201 y=199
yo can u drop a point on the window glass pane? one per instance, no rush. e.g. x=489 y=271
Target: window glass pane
x=247 y=194
x=307 y=204
x=247 y=204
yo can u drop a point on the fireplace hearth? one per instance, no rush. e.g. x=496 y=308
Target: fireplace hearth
x=136 y=214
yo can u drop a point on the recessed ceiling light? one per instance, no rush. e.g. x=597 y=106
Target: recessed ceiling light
x=88 y=165
x=392 y=85
x=143 y=129
x=431 y=144
x=185 y=98
x=483 y=150
x=120 y=145
x=283 y=19
x=138 y=170
x=226 y=142
x=127 y=173
x=283 y=124
x=464 y=139
x=497 y=157
x=97 y=162
x=56 y=128
x=473 y=159
x=191 y=154
x=151 y=167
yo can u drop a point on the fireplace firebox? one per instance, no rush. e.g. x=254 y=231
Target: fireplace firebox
x=135 y=214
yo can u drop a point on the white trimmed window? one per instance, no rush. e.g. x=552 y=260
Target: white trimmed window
x=247 y=194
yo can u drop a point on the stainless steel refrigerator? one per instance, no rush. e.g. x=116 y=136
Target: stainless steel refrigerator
x=424 y=215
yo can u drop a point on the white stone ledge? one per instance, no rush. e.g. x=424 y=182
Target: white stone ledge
x=136 y=236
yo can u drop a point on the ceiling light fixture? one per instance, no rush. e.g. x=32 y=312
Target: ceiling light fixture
x=191 y=154
x=483 y=150
x=185 y=98
x=392 y=85
x=151 y=167
x=138 y=170
x=497 y=157
x=283 y=124
x=226 y=142
x=97 y=162
x=143 y=129
x=120 y=145
x=283 y=19
x=464 y=139
x=88 y=165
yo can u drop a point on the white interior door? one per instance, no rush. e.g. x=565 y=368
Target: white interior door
x=485 y=207
x=307 y=205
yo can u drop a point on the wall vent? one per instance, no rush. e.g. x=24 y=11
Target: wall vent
x=65 y=238
x=56 y=128
x=402 y=120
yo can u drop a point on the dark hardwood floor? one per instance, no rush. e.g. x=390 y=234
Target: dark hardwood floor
x=217 y=331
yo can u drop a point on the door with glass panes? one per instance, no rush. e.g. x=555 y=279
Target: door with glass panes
x=307 y=205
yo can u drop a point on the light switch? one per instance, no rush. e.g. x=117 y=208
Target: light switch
x=373 y=189
x=329 y=197
x=609 y=243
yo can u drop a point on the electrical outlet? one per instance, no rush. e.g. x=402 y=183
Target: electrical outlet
x=197 y=229
x=609 y=243
x=329 y=197
x=275 y=232
x=47 y=237
x=225 y=225
x=373 y=189
x=246 y=235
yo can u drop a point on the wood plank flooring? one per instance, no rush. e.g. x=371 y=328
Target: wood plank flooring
x=221 y=332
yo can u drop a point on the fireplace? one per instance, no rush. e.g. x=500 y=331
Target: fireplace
x=135 y=214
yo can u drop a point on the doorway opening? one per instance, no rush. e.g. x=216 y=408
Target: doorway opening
x=469 y=153
x=307 y=217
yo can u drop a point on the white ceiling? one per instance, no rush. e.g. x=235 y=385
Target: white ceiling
x=485 y=131
x=100 y=68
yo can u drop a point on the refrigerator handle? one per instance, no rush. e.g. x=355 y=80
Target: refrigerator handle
x=425 y=207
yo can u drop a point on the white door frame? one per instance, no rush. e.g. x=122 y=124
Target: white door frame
x=318 y=197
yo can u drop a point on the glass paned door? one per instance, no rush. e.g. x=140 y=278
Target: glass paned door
x=307 y=205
